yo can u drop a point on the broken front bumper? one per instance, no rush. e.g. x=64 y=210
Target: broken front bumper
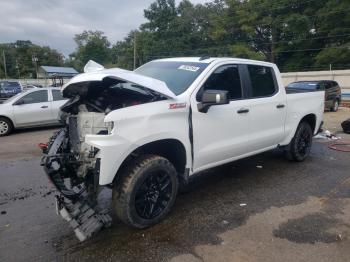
x=73 y=204
x=84 y=220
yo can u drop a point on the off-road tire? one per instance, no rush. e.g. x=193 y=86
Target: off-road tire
x=299 y=148
x=135 y=177
x=6 y=126
x=335 y=106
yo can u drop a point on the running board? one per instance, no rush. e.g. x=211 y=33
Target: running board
x=84 y=220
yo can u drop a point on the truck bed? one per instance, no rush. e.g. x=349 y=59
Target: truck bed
x=301 y=104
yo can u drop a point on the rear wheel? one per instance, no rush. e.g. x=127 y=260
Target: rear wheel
x=5 y=126
x=146 y=192
x=300 y=146
x=335 y=106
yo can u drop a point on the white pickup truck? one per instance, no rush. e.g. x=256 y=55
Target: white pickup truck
x=144 y=133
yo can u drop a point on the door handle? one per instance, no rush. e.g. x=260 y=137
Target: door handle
x=243 y=110
x=280 y=106
x=44 y=107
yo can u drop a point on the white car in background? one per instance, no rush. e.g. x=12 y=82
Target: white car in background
x=32 y=108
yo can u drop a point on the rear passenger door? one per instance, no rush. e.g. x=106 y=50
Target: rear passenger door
x=267 y=107
x=33 y=109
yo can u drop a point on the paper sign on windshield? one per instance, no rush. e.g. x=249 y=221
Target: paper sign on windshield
x=189 y=68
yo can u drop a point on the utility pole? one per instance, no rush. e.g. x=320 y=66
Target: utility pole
x=134 y=50
x=35 y=61
x=4 y=58
x=17 y=67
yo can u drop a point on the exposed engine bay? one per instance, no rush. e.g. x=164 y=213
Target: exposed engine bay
x=71 y=164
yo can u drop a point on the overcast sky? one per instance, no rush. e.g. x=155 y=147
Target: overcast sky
x=55 y=22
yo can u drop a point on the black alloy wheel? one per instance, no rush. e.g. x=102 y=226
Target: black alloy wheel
x=153 y=196
x=300 y=146
x=146 y=191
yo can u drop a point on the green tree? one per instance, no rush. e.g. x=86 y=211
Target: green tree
x=297 y=35
x=19 y=58
x=91 y=45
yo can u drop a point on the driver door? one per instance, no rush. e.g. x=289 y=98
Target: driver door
x=222 y=132
x=33 y=109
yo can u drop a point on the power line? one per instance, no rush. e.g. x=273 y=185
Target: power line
x=159 y=54
x=275 y=52
x=308 y=16
x=284 y=6
x=290 y=40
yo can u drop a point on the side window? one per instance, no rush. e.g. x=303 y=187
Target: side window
x=262 y=80
x=225 y=78
x=56 y=94
x=35 y=97
x=328 y=85
x=321 y=86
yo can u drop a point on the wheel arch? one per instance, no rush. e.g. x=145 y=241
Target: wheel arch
x=171 y=149
x=8 y=118
x=311 y=120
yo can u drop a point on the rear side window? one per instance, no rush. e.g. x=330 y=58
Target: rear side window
x=334 y=84
x=225 y=78
x=262 y=80
x=35 y=97
x=56 y=94
x=328 y=85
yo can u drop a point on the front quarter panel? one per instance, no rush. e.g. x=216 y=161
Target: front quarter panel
x=136 y=126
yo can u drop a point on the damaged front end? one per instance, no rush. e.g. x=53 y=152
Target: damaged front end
x=74 y=166
x=77 y=202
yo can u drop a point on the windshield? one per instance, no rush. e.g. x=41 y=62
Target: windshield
x=178 y=76
x=303 y=85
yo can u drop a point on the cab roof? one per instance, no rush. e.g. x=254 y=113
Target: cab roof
x=208 y=60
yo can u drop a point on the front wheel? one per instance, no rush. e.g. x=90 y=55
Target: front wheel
x=300 y=146
x=146 y=191
x=5 y=126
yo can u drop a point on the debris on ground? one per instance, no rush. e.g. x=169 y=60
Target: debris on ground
x=225 y=222
x=3 y=212
x=258 y=166
x=341 y=147
x=242 y=204
x=327 y=135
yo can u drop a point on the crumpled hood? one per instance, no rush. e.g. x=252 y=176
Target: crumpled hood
x=119 y=74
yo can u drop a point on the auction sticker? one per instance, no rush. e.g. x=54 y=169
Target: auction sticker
x=189 y=68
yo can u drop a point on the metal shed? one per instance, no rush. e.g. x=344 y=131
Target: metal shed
x=57 y=74
x=56 y=71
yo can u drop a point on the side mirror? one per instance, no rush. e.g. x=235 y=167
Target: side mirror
x=19 y=102
x=212 y=98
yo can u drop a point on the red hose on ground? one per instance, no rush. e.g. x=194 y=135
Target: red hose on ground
x=342 y=147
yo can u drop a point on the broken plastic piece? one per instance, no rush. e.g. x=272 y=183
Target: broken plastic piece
x=92 y=66
x=84 y=220
x=327 y=135
x=242 y=205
